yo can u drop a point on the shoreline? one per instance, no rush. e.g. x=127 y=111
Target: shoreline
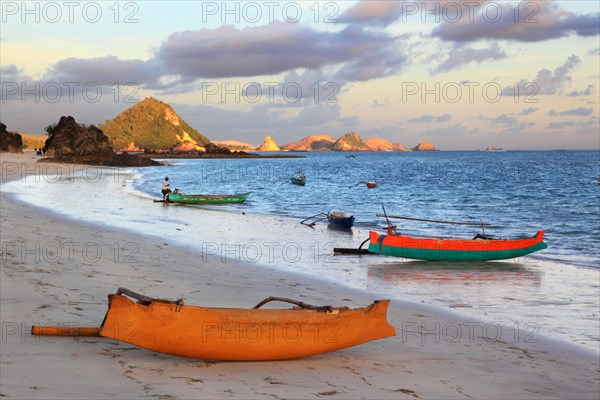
x=424 y=360
x=525 y=293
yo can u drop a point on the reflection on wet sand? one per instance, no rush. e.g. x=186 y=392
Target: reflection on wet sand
x=441 y=273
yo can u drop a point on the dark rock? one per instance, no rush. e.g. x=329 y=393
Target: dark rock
x=71 y=142
x=10 y=142
x=70 y=139
x=212 y=148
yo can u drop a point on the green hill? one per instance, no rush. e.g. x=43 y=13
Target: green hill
x=152 y=125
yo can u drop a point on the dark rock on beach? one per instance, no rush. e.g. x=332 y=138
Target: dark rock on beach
x=70 y=139
x=71 y=142
x=10 y=142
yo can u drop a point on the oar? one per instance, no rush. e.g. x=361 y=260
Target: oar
x=435 y=221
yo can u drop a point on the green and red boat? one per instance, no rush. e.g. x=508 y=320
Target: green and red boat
x=442 y=249
x=207 y=198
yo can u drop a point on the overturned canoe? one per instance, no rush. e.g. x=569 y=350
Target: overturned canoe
x=208 y=198
x=235 y=334
x=434 y=249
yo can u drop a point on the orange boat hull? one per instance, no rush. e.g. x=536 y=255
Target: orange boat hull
x=242 y=334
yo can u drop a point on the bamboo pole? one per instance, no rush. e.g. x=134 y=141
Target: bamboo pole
x=435 y=221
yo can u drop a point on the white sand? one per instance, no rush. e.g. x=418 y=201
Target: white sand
x=37 y=285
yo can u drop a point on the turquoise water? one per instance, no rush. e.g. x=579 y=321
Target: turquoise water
x=518 y=192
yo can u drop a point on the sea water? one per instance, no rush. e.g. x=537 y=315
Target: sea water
x=554 y=292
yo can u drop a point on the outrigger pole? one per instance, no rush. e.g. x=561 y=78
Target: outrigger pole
x=435 y=221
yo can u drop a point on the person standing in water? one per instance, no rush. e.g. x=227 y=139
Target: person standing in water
x=165 y=189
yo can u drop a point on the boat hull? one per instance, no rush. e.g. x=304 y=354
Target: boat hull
x=454 y=249
x=208 y=199
x=298 y=181
x=340 y=222
x=241 y=334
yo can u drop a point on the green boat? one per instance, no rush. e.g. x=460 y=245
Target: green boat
x=207 y=198
x=298 y=181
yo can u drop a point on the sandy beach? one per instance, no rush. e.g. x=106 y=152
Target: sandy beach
x=56 y=270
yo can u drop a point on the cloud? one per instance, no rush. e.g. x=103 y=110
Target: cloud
x=535 y=21
x=576 y=93
x=425 y=119
x=443 y=118
x=528 y=111
x=562 y=125
x=587 y=128
x=454 y=131
x=580 y=112
x=506 y=121
x=594 y=52
x=10 y=71
x=460 y=56
x=325 y=58
x=380 y=13
x=262 y=119
x=278 y=47
x=381 y=104
x=105 y=71
x=503 y=120
x=545 y=82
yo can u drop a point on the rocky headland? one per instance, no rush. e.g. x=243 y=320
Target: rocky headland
x=70 y=142
x=10 y=142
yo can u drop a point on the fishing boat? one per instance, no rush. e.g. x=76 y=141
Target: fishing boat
x=340 y=219
x=301 y=180
x=207 y=198
x=370 y=184
x=439 y=249
x=171 y=327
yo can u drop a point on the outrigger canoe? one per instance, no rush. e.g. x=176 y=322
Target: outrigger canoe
x=235 y=334
x=434 y=249
x=207 y=198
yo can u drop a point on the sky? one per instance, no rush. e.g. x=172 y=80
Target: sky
x=463 y=75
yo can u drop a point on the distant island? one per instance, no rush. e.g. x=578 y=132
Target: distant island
x=321 y=143
x=152 y=129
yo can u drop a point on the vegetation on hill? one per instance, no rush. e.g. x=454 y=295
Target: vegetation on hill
x=151 y=125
